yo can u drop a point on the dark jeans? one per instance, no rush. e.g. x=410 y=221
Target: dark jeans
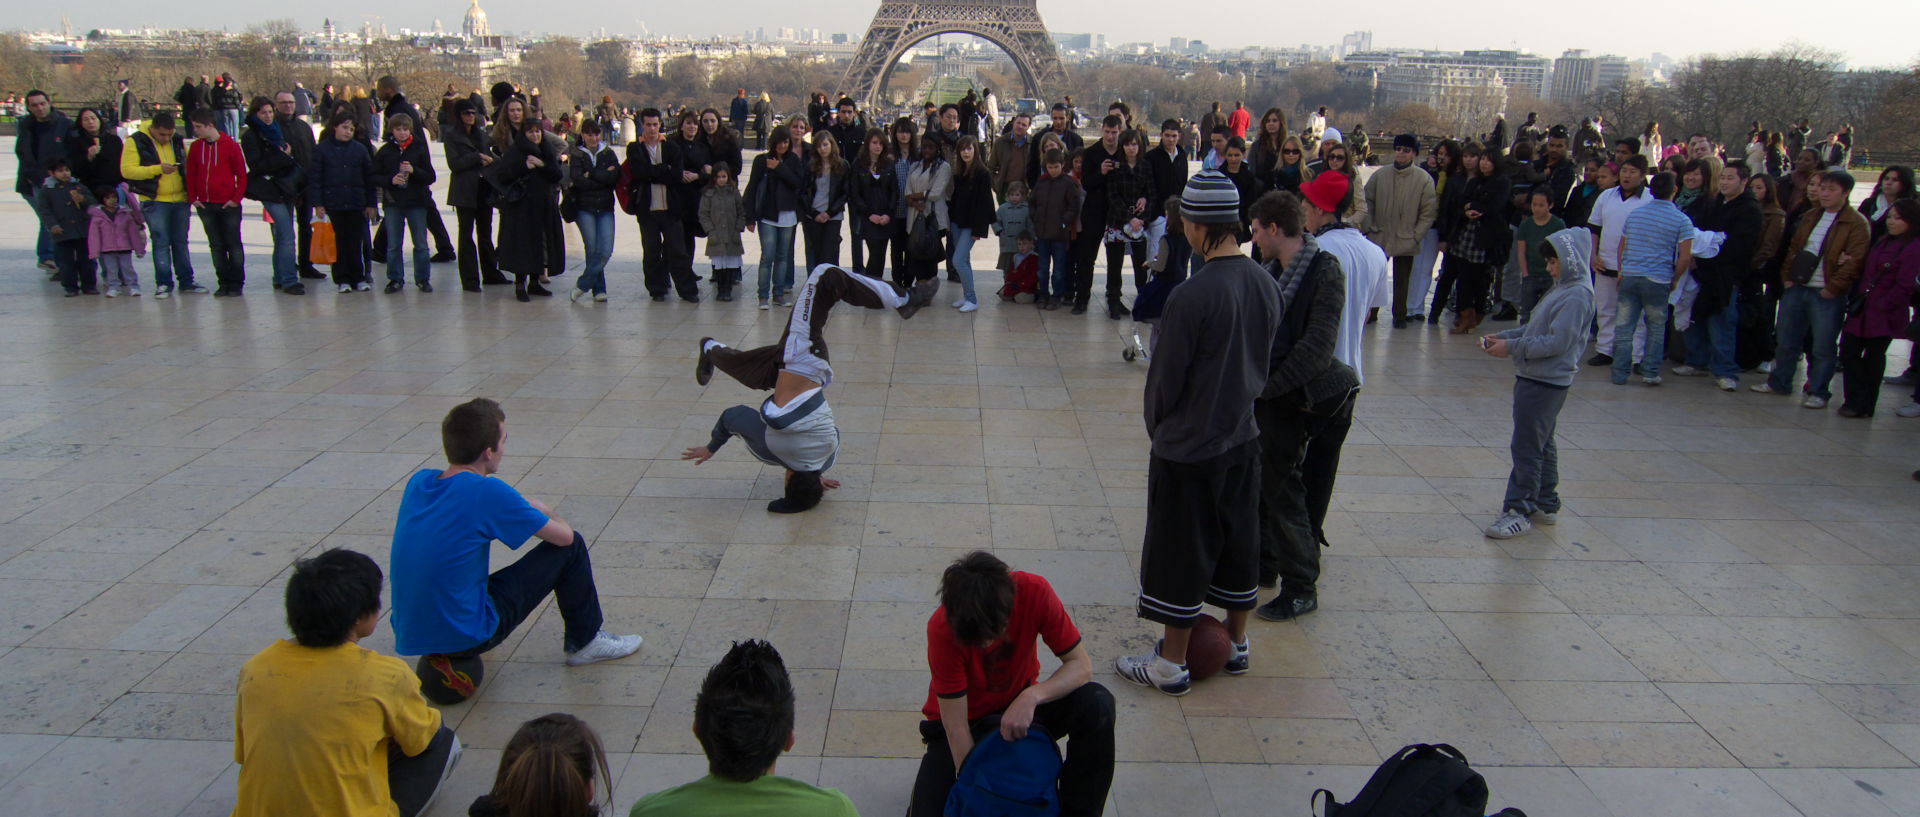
x=874 y=237
x=1533 y=484
x=77 y=272
x=1117 y=251
x=1085 y=248
x=222 y=225
x=1808 y=323
x=1321 y=465
x=1450 y=272
x=1085 y=715
x=664 y=257
x=350 y=245
x=1288 y=548
x=1863 y=364
x=822 y=242
x=1532 y=289
x=1754 y=344
x=566 y=572
x=1402 y=276
x=442 y=243
x=475 y=267
x=1472 y=285
x=413 y=780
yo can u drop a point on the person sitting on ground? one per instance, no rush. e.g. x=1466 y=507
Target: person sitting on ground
x=982 y=648
x=794 y=428
x=324 y=726
x=743 y=718
x=553 y=766
x=444 y=601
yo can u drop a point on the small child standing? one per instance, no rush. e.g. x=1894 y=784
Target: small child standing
x=1012 y=220
x=723 y=217
x=63 y=204
x=1022 y=272
x=116 y=233
x=1546 y=356
x=1056 y=217
x=1528 y=238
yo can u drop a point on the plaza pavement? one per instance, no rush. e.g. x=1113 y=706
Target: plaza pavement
x=1726 y=621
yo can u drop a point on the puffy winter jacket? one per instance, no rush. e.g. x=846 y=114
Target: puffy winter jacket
x=594 y=174
x=418 y=191
x=342 y=176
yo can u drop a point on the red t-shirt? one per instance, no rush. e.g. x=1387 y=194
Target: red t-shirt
x=991 y=677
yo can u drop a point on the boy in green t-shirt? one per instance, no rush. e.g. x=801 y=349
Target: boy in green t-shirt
x=1527 y=238
x=743 y=718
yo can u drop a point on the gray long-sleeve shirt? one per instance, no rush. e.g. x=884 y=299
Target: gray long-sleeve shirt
x=1214 y=343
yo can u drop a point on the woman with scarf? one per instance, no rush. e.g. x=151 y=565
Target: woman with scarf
x=276 y=180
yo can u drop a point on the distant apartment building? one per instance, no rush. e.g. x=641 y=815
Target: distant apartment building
x=1578 y=75
x=1464 y=95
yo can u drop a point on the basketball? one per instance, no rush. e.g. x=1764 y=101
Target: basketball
x=450 y=679
x=1208 y=648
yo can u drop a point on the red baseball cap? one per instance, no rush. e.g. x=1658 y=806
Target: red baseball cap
x=1326 y=191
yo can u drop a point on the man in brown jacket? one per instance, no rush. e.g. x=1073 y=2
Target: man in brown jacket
x=1400 y=208
x=1835 y=237
x=1010 y=155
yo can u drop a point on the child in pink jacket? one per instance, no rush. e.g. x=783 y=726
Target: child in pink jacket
x=117 y=232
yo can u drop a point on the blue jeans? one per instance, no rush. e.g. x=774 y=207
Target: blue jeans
x=1640 y=295
x=228 y=121
x=1710 y=342
x=1803 y=308
x=414 y=220
x=596 y=234
x=167 y=223
x=776 y=259
x=286 y=243
x=43 y=245
x=1053 y=256
x=963 y=261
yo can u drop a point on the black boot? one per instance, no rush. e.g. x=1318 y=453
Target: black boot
x=723 y=284
x=520 y=288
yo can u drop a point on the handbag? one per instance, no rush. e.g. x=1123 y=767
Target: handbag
x=923 y=243
x=1804 y=266
x=323 y=250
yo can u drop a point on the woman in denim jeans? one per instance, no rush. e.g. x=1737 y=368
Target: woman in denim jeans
x=971 y=212
x=595 y=171
x=773 y=199
x=274 y=178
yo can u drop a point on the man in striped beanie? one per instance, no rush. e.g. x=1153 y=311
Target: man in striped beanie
x=1215 y=340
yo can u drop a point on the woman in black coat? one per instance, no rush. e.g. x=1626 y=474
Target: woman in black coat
x=773 y=209
x=873 y=195
x=823 y=202
x=524 y=181
x=723 y=145
x=1480 y=236
x=970 y=212
x=94 y=151
x=697 y=160
x=468 y=153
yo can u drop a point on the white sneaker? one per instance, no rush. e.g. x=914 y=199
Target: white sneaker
x=1908 y=410
x=1813 y=402
x=576 y=295
x=1509 y=525
x=600 y=297
x=1685 y=371
x=969 y=306
x=1544 y=518
x=1652 y=381
x=1765 y=367
x=1151 y=670
x=604 y=647
x=134 y=291
x=113 y=292
x=363 y=287
x=346 y=288
x=959 y=303
x=163 y=293
x=1728 y=384
x=764 y=305
x=1762 y=388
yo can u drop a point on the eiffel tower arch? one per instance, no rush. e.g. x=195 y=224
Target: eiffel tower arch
x=1012 y=25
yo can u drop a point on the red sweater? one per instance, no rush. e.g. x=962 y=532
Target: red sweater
x=216 y=172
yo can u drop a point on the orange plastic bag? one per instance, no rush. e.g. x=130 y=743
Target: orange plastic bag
x=323 y=249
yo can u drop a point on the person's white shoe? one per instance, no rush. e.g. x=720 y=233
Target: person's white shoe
x=163 y=293
x=1765 y=367
x=1908 y=410
x=1814 y=402
x=134 y=291
x=346 y=288
x=959 y=303
x=764 y=306
x=1727 y=384
x=363 y=287
x=576 y=295
x=969 y=306
x=1544 y=518
x=1684 y=371
x=1762 y=388
x=600 y=297
x=1509 y=525
x=113 y=292
x=604 y=647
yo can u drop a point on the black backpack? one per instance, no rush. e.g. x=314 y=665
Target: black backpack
x=1422 y=780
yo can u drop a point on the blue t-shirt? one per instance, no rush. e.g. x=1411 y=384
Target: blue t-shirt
x=439 y=562
x=1654 y=233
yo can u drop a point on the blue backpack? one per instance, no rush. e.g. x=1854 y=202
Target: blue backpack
x=1003 y=778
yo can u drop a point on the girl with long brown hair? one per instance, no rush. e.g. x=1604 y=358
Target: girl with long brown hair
x=553 y=766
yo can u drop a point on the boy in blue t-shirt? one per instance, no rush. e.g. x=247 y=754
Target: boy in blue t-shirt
x=444 y=600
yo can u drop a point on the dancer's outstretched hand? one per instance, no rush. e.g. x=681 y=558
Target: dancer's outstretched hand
x=830 y=484
x=698 y=454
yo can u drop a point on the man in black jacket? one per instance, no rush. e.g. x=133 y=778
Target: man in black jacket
x=227 y=102
x=657 y=169
x=300 y=140
x=1559 y=170
x=1098 y=160
x=1168 y=161
x=42 y=138
x=1716 y=311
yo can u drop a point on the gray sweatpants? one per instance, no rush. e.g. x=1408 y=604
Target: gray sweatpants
x=1534 y=482
x=116 y=270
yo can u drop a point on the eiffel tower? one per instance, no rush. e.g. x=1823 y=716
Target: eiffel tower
x=1013 y=25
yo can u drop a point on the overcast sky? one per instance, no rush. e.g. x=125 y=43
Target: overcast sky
x=1871 y=36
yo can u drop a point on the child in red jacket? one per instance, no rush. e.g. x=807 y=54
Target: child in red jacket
x=216 y=181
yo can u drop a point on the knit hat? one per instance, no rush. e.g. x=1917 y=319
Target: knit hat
x=1408 y=141
x=1210 y=198
x=1326 y=191
x=464 y=105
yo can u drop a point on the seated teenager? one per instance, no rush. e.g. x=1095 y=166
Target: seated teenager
x=794 y=428
x=444 y=601
x=553 y=766
x=743 y=718
x=982 y=645
x=324 y=726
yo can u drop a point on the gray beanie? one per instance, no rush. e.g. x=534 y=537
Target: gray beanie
x=1210 y=198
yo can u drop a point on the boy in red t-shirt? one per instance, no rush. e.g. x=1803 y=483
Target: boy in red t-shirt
x=982 y=646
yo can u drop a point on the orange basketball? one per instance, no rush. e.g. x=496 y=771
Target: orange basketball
x=1208 y=648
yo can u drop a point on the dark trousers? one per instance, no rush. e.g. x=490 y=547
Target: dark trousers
x=349 y=241
x=1450 y=271
x=77 y=272
x=413 y=780
x=1534 y=483
x=1117 y=252
x=664 y=256
x=1471 y=285
x=303 y=236
x=1753 y=341
x=1402 y=277
x=874 y=238
x=1863 y=364
x=897 y=253
x=1288 y=548
x=1321 y=465
x=822 y=242
x=222 y=225
x=476 y=231
x=759 y=368
x=1085 y=715
x=566 y=573
x=1085 y=248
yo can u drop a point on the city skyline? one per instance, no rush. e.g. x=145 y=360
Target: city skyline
x=1744 y=27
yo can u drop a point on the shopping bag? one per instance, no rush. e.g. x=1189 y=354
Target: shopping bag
x=323 y=250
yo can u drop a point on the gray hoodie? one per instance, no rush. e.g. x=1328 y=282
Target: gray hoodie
x=1547 y=348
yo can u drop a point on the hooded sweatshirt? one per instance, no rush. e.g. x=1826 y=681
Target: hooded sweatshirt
x=124 y=230
x=801 y=436
x=216 y=171
x=1547 y=348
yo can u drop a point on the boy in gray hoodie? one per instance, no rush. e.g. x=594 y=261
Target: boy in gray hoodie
x=1546 y=355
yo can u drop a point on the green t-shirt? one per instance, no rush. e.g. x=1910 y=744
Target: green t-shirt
x=768 y=796
x=1533 y=234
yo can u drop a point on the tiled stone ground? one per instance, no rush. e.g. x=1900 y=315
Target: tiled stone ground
x=1726 y=621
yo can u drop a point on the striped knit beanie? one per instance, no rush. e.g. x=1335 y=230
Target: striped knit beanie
x=1210 y=198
